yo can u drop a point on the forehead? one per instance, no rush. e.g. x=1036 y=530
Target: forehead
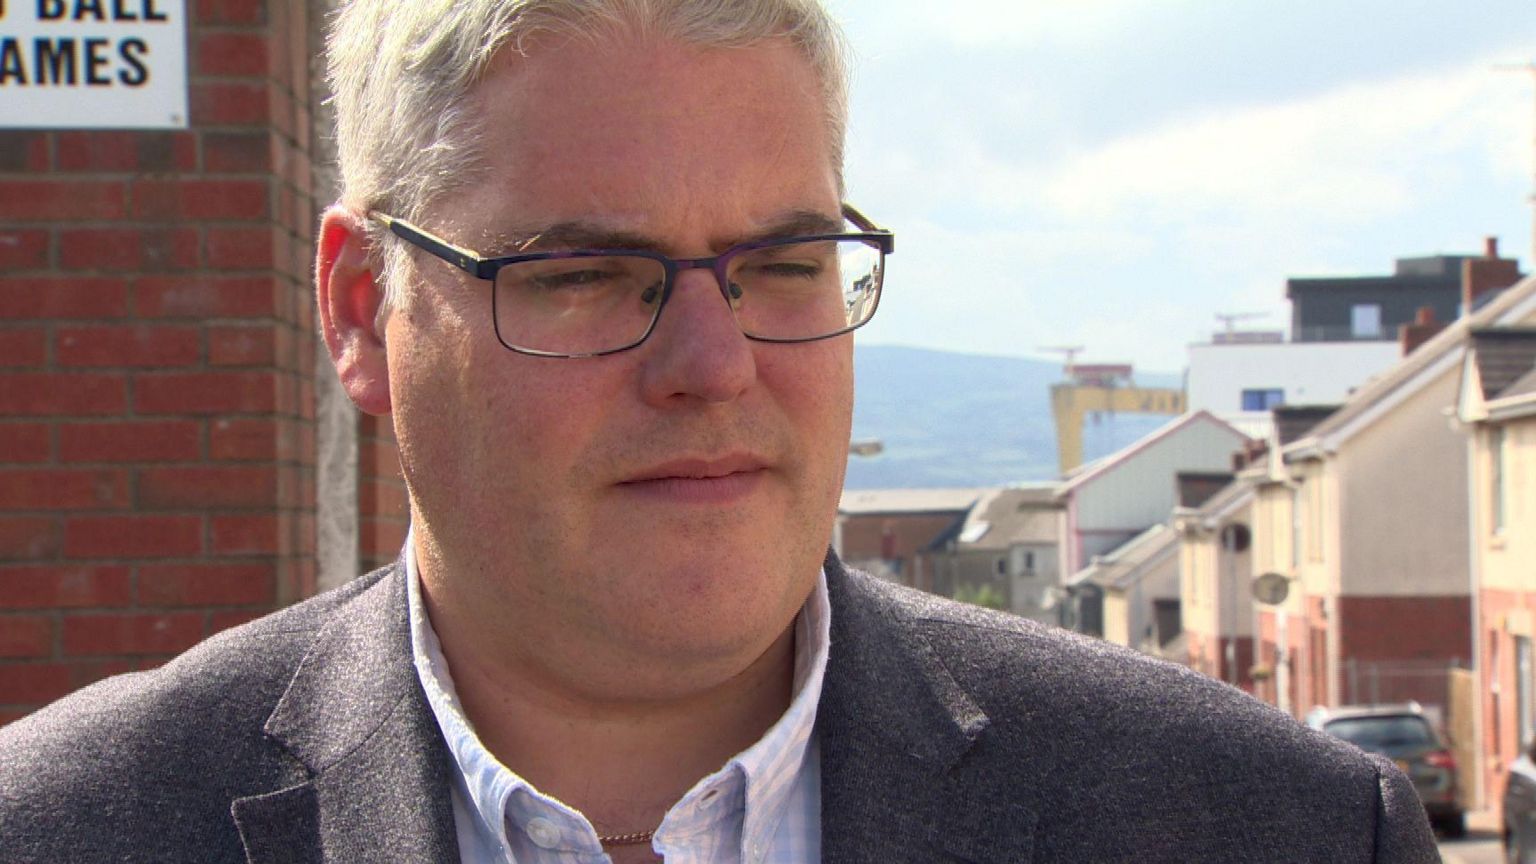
x=640 y=131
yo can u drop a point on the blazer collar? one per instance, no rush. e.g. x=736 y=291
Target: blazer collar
x=355 y=717
x=896 y=729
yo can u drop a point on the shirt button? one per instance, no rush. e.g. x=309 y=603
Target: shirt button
x=543 y=832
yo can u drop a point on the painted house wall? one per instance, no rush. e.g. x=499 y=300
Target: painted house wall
x=1216 y=587
x=1505 y=564
x=1508 y=555
x=1404 y=505
x=1116 y=505
x=1197 y=590
x=1032 y=587
x=1117 y=628
x=1129 y=612
x=1274 y=551
x=1315 y=487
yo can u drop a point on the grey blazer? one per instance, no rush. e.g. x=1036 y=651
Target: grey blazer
x=947 y=734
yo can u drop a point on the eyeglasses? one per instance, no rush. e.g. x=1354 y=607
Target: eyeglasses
x=587 y=303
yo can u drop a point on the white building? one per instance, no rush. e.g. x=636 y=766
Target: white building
x=1240 y=381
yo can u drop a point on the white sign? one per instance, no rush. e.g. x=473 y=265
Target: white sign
x=93 y=64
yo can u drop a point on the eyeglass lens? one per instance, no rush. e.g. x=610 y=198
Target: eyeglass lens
x=591 y=304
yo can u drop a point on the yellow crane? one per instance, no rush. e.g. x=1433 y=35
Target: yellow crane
x=1102 y=387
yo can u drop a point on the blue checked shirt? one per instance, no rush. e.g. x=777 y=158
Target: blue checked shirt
x=762 y=807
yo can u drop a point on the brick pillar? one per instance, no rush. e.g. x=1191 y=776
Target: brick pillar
x=157 y=362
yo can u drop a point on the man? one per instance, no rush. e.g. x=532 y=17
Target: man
x=593 y=259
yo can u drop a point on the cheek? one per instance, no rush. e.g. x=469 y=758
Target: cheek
x=814 y=388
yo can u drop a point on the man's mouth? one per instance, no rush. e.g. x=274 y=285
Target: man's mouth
x=712 y=480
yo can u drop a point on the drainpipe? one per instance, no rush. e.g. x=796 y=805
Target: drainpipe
x=1479 y=749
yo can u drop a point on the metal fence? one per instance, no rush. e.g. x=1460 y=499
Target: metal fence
x=1375 y=682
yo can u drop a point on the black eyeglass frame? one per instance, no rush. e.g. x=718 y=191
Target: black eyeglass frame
x=486 y=268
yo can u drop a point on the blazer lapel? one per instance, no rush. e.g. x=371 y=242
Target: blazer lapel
x=898 y=735
x=355 y=717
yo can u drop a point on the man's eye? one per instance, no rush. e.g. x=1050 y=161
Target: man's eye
x=789 y=270
x=589 y=278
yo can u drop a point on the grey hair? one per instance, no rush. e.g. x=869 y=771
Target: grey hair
x=401 y=72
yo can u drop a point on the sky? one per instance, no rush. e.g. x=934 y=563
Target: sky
x=1115 y=173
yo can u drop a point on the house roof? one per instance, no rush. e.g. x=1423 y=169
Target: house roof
x=1255 y=424
x=1131 y=561
x=1524 y=386
x=1010 y=516
x=1197 y=487
x=1504 y=356
x=1379 y=393
x=866 y=502
x=1295 y=421
x=1109 y=463
x=1221 y=505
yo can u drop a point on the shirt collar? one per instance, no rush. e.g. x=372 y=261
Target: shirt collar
x=746 y=798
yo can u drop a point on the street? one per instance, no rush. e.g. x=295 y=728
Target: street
x=1478 y=847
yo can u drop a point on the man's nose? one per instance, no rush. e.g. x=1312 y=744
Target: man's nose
x=697 y=351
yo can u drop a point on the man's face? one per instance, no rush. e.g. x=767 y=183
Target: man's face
x=669 y=503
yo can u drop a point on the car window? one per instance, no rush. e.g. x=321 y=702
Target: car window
x=1383 y=733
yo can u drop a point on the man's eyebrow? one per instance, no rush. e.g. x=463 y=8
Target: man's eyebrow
x=574 y=234
x=578 y=234
x=796 y=223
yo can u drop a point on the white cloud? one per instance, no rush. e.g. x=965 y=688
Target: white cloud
x=1357 y=154
x=1020 y=225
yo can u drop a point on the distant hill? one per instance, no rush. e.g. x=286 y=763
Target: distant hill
x=950 y=419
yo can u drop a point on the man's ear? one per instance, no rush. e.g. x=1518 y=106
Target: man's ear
x=350 y=298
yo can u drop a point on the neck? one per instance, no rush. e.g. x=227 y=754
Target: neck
x=623 y=762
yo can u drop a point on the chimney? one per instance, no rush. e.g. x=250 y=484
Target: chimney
x=1254 y=450
x=1423 y=328
x=1485 y=276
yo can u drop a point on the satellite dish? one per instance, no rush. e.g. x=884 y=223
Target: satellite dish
x=1271 y=588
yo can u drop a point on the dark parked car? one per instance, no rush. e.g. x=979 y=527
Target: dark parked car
x=1520 y=809
x=1403 y=734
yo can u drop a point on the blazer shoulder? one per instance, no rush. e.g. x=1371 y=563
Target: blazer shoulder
x=160 y=752
x=1128 y=739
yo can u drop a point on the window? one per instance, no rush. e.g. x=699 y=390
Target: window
x=1023 y=561
x=1263 y=399
x=1496 y=478
x=1365 y=321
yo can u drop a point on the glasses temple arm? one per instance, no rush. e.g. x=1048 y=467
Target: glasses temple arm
x=459 y=257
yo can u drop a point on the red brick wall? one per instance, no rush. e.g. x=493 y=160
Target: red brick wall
x=157 y=443
x=383 y=511
x=1405 y=628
